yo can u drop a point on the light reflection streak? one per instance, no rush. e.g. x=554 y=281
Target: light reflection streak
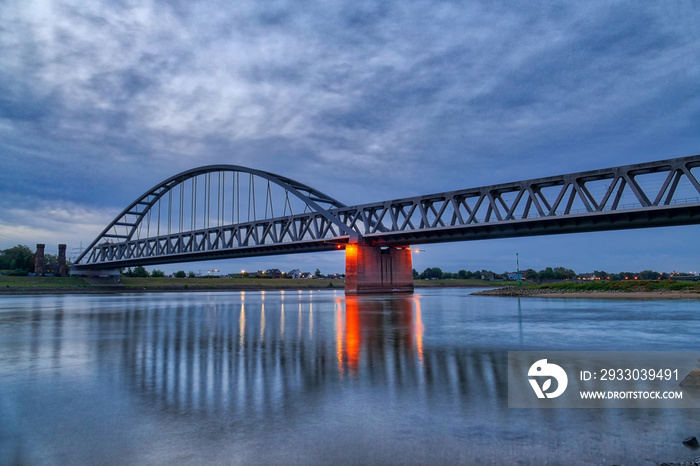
x=311 y=318
x=262 y=317
x=352 y=333
x=282 y=320
x=282 y=315
x=299 y=319
x=241 y=323
x=262 y=322
x=418 y=329
x=339 y=337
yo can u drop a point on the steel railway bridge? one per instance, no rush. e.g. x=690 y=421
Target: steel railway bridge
x=229 y=211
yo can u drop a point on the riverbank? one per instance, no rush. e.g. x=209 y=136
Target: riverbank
x=78 y=285
x=630 y=293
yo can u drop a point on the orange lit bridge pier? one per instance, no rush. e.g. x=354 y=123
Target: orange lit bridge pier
x=372 y=269
x=228 y=211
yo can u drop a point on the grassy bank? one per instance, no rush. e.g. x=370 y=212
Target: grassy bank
x=622 y=286
x=602 y=289
x=42 y=282
x=458 y=283
x=81 y=285
x=228 y=283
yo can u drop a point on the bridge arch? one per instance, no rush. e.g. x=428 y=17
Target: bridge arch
x=219 y=200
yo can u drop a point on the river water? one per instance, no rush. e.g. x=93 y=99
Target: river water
x=316 y=377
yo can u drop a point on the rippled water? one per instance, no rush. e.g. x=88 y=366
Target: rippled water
x=317 y=377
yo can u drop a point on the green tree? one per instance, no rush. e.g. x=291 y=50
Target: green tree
x=531 y=274
x=180 y=274
x=648 y=275
x=561 y=273
x=415 y=274
x=463 y=274
x=140 y=272
x=432 y=273
x=157 y=274
x=19 y=257
x=191 y=275
x=318 y=274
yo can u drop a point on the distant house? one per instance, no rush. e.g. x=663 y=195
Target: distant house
x=488 y=276
x=515 y=276
x=296 y=273
x=307 y=275
x=274 y=273
x=684 y=277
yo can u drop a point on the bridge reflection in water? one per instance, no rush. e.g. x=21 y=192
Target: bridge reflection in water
x=254 y=354
x=313 y=377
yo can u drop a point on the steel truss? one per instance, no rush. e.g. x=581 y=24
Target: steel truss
x=552 y=205
x=663 y=193
x=173 y=209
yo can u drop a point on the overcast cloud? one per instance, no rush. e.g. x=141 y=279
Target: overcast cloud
x=365 y=101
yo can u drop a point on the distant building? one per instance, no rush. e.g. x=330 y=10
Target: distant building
x=296 y=273
x=515 y=276
x=274 y=273
x=684 y=277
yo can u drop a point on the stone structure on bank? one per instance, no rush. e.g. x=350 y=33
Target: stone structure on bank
x=62 y=260
x=42 y=268
x=39 y=259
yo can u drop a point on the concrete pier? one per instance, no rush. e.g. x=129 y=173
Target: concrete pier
x=372 y=269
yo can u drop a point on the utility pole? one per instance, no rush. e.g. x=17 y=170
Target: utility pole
x=517 y=262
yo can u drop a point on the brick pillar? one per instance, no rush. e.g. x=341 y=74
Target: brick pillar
x=371 y=269
x=62 y=260
x=39 y=259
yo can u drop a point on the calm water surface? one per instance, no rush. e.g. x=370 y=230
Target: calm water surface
x=317 y=377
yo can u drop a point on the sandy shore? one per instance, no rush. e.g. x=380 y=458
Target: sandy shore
x=548 y=293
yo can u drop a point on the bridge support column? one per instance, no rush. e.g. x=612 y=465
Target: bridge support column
x=371 y=269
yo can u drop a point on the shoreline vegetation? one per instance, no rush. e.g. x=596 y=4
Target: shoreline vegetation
x=600 y=289
x=78 y=285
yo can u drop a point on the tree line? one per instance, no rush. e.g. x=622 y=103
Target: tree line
x=547 y=274
x=19 y=260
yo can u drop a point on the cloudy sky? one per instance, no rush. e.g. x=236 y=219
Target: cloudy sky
x=365 y=101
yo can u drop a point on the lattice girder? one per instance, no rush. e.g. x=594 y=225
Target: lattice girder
x=663 y=193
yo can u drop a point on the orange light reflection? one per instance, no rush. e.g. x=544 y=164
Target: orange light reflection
x=352 y=333
x=339 y=336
